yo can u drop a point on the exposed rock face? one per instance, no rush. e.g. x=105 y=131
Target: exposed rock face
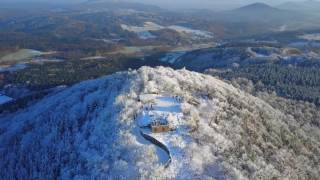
x=88 y=132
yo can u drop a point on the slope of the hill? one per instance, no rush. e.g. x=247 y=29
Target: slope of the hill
x=91 y=131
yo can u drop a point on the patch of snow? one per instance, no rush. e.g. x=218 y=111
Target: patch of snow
x=5 y=99
x=12 y=68
x=24 y=54
x=197 y=33
x=312 y=54
x=44 y=60
x=108 y=41
x=281 y=28
x=167 y=105
x=172 y=57
x=144 y=31
x=134 y=49
x=20 y=66
x=35 y=52
x=305 y=44
x=266 y=55
x=148 y=26
x=311 y=37
x=93 y=58
x=145 y=35
x=162 y=106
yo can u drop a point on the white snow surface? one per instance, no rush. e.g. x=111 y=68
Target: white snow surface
x=93 y=58
x=173 y=57
x=4 y=99
x=197 y=33
x=311 y=37
x=176 y=140
x=145 y=35
x=145 y=31
x=12 y=68
x=89 y=131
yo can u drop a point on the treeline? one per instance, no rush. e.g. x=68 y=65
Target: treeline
x=40 y=77
x=299 y=83
x=66 y=73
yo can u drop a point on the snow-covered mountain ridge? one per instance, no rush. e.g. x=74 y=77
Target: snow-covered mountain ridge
x=91 y=131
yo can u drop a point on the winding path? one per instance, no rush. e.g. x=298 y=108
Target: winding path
x=163 y=106
x=159 y=145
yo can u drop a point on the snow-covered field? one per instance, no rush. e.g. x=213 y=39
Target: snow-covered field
x=108 y=41
x=267 y=53
x=45 y=60
x=148 y=26
x=145 y=32
x=12 y=68
x=172 y=57
x=20 y=59
x=93 y=58
x=23 y=54
x=194 y=32
x=175 y=54
x=194 y=47
x=145 y=35
x=311 y=37
x=311 y=44
x=24 y=65
x=134 y=49
x=282 y=28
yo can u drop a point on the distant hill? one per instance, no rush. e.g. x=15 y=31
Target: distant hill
x=259 y=12
x=256 y=7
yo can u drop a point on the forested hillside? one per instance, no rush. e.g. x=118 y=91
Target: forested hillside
x=90 y=131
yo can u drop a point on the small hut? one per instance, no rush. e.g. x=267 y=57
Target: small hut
x=161 y=125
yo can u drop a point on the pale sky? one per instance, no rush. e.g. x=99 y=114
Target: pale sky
x=208 y=4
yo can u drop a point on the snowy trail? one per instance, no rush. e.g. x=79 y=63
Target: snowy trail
x=162 y=152
x=173 y=141
x=163 y=106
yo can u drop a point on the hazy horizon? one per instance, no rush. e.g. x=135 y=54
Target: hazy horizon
x=179 y=4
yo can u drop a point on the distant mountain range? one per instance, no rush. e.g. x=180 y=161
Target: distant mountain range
x=256 y=7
